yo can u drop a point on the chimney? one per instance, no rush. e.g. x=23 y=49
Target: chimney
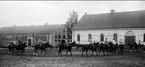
x=112 y=11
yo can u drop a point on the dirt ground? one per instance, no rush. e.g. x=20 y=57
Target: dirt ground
x=118 y=60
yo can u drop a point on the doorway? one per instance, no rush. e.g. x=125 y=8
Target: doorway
x=129 y=39
x=29 y=42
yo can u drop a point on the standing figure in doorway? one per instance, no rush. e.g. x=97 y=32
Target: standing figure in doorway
x=121 y=46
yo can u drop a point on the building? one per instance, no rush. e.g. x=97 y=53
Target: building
x=31 y=34
x=128 y=26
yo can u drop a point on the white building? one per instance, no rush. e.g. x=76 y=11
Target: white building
x=128 y=26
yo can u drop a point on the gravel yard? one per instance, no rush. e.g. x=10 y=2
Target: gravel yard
x=52 y=60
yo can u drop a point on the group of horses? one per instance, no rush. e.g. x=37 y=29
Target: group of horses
x=99 y=48
x=21 y=47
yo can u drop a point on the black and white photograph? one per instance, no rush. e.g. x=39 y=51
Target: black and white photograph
x=72 y=33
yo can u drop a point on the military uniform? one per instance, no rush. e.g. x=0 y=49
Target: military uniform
x=121 y=47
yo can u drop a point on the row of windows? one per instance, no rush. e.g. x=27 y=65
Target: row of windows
x=43 y=38
x=10 y=37
x=102 y=37
x=63 y=36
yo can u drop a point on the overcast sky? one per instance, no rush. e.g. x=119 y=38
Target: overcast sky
x=22 y=13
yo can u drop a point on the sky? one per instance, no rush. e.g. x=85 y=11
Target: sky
x=24 y=13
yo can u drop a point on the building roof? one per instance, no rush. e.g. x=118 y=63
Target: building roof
x=37 y=29
x=131 y=19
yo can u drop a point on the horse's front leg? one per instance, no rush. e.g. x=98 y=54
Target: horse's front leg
x=104 y=51
x=70 y=52
x=66 y=52
x=34 y=51
x=45 y=51
x=59 y=52
x=82 y=52
x=92 y=52
x=86 y=52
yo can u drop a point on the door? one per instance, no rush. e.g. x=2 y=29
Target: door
x=29 y=42
x=129 y=39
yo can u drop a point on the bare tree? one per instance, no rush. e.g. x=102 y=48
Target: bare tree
x=71 y=22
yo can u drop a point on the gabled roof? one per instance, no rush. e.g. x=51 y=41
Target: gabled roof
x=132 y=19
x=38 y=29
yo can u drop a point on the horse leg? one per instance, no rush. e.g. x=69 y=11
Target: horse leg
x=66 y=52
x=45 y=51
x=36 y=52
x=70 y=53
x=103 y=51
x=82 y=52
x=100 y=50
x=86 y=53
x=92 y=52
x=59 y=52
x=96 y=51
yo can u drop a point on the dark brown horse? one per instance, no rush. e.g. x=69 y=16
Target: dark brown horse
x=20 y=47
x=86 y=47
x=65 y=47
x=103 y=48
x=42 y=47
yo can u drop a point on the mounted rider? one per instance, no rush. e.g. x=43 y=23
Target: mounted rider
x=106 y=41
x=114 y=42
x=11 y=43
x=63 y=42
x=20 y=42
x=40 y=42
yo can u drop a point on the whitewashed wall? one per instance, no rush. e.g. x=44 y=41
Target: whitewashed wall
x=108 y=33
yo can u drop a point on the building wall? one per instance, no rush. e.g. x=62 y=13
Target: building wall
x=108 y=33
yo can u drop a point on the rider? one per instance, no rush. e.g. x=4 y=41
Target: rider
x=106 y=41
x=40 y=42
x=139 y=43
x=63 y=43
x=114 y=42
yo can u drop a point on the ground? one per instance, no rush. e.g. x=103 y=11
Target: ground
x=51 y=59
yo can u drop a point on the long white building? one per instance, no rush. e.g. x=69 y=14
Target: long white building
x=128 y=26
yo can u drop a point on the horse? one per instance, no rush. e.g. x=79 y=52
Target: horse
x=11 y=48
x=112 y=48
x=49 y=46
x=134 y=46
x=130 y=47
x=104 y=47
x=41 y=47
x=20 y=47
x=65 y=47
x=87 y=47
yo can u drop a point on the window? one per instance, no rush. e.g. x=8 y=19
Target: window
x=23 y=38
x=55 y=36
x=43 y=38
x=102 y=37
x=115 y=37
x=144 y=38
x=89 y=37
x=78 y=37
x=59 y=36
x=64 y=37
